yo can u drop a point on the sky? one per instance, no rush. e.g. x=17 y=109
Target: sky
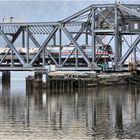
x=46 y=10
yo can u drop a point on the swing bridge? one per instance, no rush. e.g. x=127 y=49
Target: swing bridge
x=116 y=25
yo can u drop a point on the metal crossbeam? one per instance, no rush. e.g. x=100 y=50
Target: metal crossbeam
x=12 y=47
x=129 y=51
x=43 y=45
x=75 y=38
x=128 y=10
x=38 y=46
x=104 y=17
x=76 y=46
x=68 y=57
x=77 y=14
x=31 y=24
x=12 y=41
x=129 y=44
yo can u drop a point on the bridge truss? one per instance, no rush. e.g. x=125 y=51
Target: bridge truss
x=99 y=24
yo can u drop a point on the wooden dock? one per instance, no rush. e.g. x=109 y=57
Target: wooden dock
x=69 y=80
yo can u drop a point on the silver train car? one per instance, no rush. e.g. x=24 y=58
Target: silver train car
x=102 y=52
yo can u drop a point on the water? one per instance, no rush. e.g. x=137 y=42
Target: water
x=95 y=113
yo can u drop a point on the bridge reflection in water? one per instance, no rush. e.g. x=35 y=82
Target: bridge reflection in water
x=105 y=112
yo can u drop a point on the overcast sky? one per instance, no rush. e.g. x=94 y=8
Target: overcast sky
x=46 y=10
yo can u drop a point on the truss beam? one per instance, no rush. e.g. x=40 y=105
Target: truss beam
x=77 y=14
x=88 y=26
x=134 y=45
x=38 y=46
x=128 y=10
x=75 y=38
x=12 y=47
x=12 y=41
x=44 y=45
x=76 y=46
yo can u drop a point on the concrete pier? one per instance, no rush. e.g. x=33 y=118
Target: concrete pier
x=37 y=80
x=29 y=82
x=6 y=83
x=6 y=75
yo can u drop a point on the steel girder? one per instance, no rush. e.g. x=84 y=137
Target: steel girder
x=76 y=14
x=60 y=46
x=116 y=32
x=76 y=46
x=15 y=36
x=12 y=47
x=75 y=38
x=93 y=35
x=130 y=45
x=128 y=10
x=134 y=45
x=30 y=35
x=18 y=55
x=104 y=17
x=43 y=46
x=99 y=20
x=27 y=46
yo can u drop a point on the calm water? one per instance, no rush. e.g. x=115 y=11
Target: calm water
x=95 y=113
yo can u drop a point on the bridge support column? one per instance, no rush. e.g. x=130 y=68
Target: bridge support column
x=6 y=84
x=29 y=83
x=38 y=79
x=6 y=77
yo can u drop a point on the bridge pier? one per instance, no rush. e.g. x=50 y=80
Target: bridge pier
x=6 y=77
x=6 y=84
x=38 y=76
x=38 y=79
x=29 y=82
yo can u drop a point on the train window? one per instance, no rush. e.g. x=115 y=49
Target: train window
x=136 y=26
x=83 y=47
x=100 y=47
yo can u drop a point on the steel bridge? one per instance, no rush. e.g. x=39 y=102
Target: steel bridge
x=117 y=25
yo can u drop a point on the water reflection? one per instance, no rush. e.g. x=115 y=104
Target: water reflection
x=95 y=113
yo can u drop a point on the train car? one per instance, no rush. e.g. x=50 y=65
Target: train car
x=103 y=53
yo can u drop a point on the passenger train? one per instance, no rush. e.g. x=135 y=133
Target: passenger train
x=103 y=53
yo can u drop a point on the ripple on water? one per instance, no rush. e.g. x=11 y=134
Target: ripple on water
x=95 y=113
